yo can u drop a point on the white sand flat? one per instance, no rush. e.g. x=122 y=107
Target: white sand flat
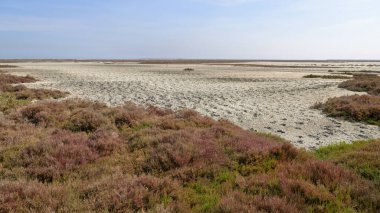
x=275 y=100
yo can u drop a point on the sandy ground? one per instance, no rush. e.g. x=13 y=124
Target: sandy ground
x=268 y=99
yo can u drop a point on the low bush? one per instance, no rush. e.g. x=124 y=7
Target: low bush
x=304 y=185
x=131 y=193
x=12 y=79
x=360 y=156
x=363 y=83
x=32 y=196
x=10 y=102
x=73 y=114
x=364 y=108
x=327 y=76
x=85 y=120
x=39 y=94
x=7 y=66
x=20 y=92
x=169 y=151
x=50 y=158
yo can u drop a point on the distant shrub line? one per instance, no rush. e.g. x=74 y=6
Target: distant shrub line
x=327 y=76
x=7 y=66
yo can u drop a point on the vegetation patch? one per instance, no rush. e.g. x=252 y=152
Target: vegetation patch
x=7 y=66
x=20 y=93
x=361 y=156
x=9 y=101
x=82 y=156
x=360 y=72
x=362 y=108
x=327 y=76
x=12 y=79
x=369 y=83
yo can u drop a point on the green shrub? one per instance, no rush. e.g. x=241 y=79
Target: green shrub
x=360 y=156
x=9 y=102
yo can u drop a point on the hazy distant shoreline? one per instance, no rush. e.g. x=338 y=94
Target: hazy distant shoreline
x=184 y=61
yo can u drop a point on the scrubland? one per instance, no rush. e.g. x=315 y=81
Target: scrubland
x=76 y=155
x=365 y=108
x=363 y=83
x=327 y=76
x=270 y=97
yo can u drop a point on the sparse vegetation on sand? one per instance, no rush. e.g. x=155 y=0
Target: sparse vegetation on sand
x=75 y=155
x=327 y=76
x=11 y=94
x=357 y=72
x=364 y=108
x=6 y=79
x=7 y=66
x=363 y=83
x=188 y=69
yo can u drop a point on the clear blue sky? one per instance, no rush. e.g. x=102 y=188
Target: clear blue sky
x=249 y=29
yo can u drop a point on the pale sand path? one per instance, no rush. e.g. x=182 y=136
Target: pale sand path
x=272 y=100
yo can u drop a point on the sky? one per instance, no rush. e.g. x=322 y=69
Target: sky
x=192 y=29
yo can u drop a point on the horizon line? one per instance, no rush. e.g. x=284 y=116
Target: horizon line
x=3 y=60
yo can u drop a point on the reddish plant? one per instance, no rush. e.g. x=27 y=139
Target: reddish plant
x=12 y=79
x=105 y=142
x=363 y=83
x=357 y=108
x=86 y=120
x=125 y=193
x=22 y=196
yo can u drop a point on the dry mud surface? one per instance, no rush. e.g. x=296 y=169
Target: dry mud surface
x=273 y=99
